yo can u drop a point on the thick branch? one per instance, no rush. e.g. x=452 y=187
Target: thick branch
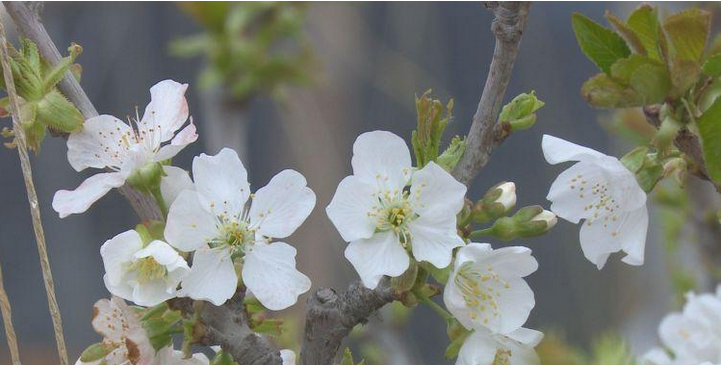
x=686 y=141
x=227 y=326
x=331 y=317
x=485 y=134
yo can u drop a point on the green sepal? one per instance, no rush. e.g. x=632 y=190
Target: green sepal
x=160 y=324
x=53 y=76
x=406 y=281
x=96 y=352
x=439 y=275
x=710 y=132
x=147 y=178
x=457 y=334
x=348 y=358
x=634 y=159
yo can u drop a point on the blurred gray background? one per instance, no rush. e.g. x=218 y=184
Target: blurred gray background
x=372 y=58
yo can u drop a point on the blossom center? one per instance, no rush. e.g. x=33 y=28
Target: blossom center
x=148 y=269
x=481 y=289
x=503 y=357
x=235 y=234
x=393 y=212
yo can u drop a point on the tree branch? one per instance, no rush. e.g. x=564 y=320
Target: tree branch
x=227 y=326
x=686 y=141
x=485 y=134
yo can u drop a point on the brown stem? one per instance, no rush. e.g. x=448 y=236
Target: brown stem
x=485 y=134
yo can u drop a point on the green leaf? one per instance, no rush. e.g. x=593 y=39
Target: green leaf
x=269 y=327
x=623 y=69
x=712 y=66
x=347 y=358
x=432 y=118
x=519 y=112
x=688 y=32
x=601 y=91
x=628 y=34
x=684 y=74
x=223 y=358
x=453 y=153
x=709 y=126
x=56 y=112
x=644 y=22
x=53 y=77
x=96 y=352
x=651 y=82
x=603 y=46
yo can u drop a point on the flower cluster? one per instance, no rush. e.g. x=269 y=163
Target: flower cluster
x=693 y=336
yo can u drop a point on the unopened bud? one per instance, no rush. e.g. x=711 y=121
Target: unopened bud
x=497 y=201
x=527 y=222
x=147 y=178
x=548 y=217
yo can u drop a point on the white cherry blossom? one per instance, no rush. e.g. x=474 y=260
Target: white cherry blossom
x=146 y=275
x=485 y=348
x=693 y=335
x=601 y=191
x=122 y=332
x=486 y=289
x=213 y=221
x=385 y=209
x=108 y=143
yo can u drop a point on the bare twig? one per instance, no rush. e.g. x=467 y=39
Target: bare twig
x=485 y=134
x=32 y=198
x=7 y=316
x=687 y=142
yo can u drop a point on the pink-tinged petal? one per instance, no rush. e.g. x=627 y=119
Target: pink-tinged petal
x=375 y=257
x=103 y=142
x=67 y=202
x=185 y=137
x=349 y=210
x=434 y=240
x=280 y=207
x=557 y=150
x=189 y=225
x=221 y=182
x=382 y=159
x=269 y=273
x=167 y=110
x=434 y=192
x=212 y=276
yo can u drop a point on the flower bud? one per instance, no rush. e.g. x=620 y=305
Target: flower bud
x=147 y=178
x=497 y=201
x=546 y=216
x=527 y=222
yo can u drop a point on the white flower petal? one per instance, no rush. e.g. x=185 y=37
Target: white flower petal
x=434 y=241
x=103 y=142
x=382 y=159
x=627 y=231
x=161 y=252
x=167 y=110
x=117 y=252
x=151 y=293
x=222 y=182
x=174 y=182
x=377 y=256
x=185 y=137
x=189 y=225
x=512 y=261
x=270 y=274
x=557 y=150
x=280 y=207
x=212 y=276
x=67 y=202
x=435 y=192
x=515 y=302
x=526 y=336
x=478 y=349
x=656 y=356
x=349 y=209
x=575 y=193
x=287 y=356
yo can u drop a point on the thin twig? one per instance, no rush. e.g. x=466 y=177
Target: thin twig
x=485 y=134
x=32 y=198
x=7 y=314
